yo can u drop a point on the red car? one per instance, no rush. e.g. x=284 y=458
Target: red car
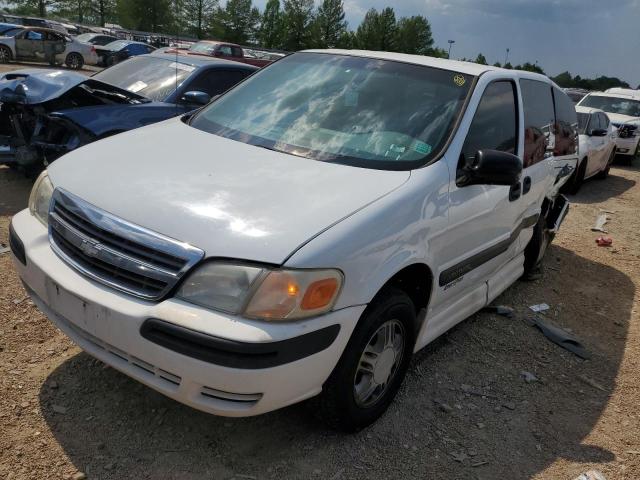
x=228 y=51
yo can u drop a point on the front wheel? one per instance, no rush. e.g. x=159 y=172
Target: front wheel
x=577 y=179
x=605 y=173
x=5 y=54
x=373 y=365
x=537 y=248
x=74 y=61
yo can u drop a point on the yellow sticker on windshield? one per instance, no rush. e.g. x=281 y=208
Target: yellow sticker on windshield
x=459 y=80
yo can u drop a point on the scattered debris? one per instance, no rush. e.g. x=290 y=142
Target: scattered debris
x=591 y=475
x=459 y=457
x=79 y=476
x=591 y=383
x=500 y=310
x=541 y=307
x=479 y=464
x=18 y=301
x=4 y=249
x=600 y=222
x=560 y=337
x=443 y=406
x=604 y=241
x=509 y=405
x=528 y=377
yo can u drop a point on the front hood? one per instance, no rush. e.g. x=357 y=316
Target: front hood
x=228 y=198
x=106 y=119
x=620 y=119
x=37 y=85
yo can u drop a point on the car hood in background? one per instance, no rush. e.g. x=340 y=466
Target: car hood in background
x=231 y=199
x=620 y=119
x=37 y=85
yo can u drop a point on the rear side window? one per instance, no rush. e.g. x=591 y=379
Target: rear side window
x=225 y=50
x=566 y=125
x=494 y=125
x=237 y=51
x=539 y=118
x=604 y=121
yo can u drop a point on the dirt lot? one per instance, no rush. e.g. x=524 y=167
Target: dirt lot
x=465 y=412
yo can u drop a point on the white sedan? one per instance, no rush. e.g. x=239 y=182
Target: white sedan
x=597 y=146
x=46 y=45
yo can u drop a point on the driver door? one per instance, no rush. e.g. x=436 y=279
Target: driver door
x=29 y=44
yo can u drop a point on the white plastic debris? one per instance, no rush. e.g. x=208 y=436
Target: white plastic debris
x=541 y=307
x=591 y=475
x=4 y=249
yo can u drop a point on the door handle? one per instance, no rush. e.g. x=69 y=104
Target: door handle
x=526 y=185
x=514 y=192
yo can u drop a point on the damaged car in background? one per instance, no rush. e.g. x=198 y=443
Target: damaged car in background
x=47 y=113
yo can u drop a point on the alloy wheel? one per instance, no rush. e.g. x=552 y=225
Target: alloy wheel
x=379 y=363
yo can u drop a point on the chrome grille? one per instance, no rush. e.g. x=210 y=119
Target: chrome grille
x=115 y=252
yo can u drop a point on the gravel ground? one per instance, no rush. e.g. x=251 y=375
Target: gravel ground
x=465 y=410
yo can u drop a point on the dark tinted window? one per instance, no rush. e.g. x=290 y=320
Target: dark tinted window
x=595 y=123
x=224 y=50
x=566 y=125
x=237 y=51
x=494 y=125
x=215 y=82
x=538 y=119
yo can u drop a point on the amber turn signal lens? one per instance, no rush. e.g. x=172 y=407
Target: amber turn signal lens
x=319 y=294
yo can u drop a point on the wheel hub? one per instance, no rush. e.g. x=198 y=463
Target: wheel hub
x=382 y=369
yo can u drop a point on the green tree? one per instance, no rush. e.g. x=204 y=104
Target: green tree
x=32 y=7
x=497 y=64
x=481 y=59
x=378 y=31
x=147 y=15
x=297 y=20
x=270 y=34
x=102 y=10
x=239 y=21
x=413 y=35
x=508 y=66
x=438 y=52
x=330 y=25
x=196 y=16
x=531 y=67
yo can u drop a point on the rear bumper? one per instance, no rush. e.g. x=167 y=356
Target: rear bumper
x=223 y=365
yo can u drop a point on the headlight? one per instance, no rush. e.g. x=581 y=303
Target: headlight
x=40 y=198
x=261 y=292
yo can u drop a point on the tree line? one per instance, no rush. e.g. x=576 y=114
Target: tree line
x=284 y=24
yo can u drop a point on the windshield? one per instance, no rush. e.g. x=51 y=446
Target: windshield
x=621 y=106
x=153 y=77
x=12 y=32
x=583 y=121
x=202 y=47
x=353 y=110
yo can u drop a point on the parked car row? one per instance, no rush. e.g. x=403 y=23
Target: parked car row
x=300 y=236
x=47 y=113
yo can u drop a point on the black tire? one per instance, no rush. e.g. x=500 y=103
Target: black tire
x=577 y=179
x=111 y=61
x=605 y=173
x=74 y=61
x=5 y=54
x=338 y=404
x=537 y=248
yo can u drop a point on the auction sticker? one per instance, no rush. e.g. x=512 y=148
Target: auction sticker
x=459 y=80
x=422 y=147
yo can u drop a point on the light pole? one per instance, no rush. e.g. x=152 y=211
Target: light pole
x=506 y=57
x=451 y=42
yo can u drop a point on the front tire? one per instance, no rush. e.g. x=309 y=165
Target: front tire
x=5 y=54
x=74 y=61
x=605 y=173
x=373 y=364
x=577 y=179
x=537 y=248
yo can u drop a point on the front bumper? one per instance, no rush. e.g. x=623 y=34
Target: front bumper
x=107 y=324
x=627 y=146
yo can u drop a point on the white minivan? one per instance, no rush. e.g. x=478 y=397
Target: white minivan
x=303 y=234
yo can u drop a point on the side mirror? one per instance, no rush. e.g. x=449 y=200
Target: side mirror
x=196 y=98
x=490 y=167
x=598 y=132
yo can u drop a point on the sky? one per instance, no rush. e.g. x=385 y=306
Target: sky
x=586 y=37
